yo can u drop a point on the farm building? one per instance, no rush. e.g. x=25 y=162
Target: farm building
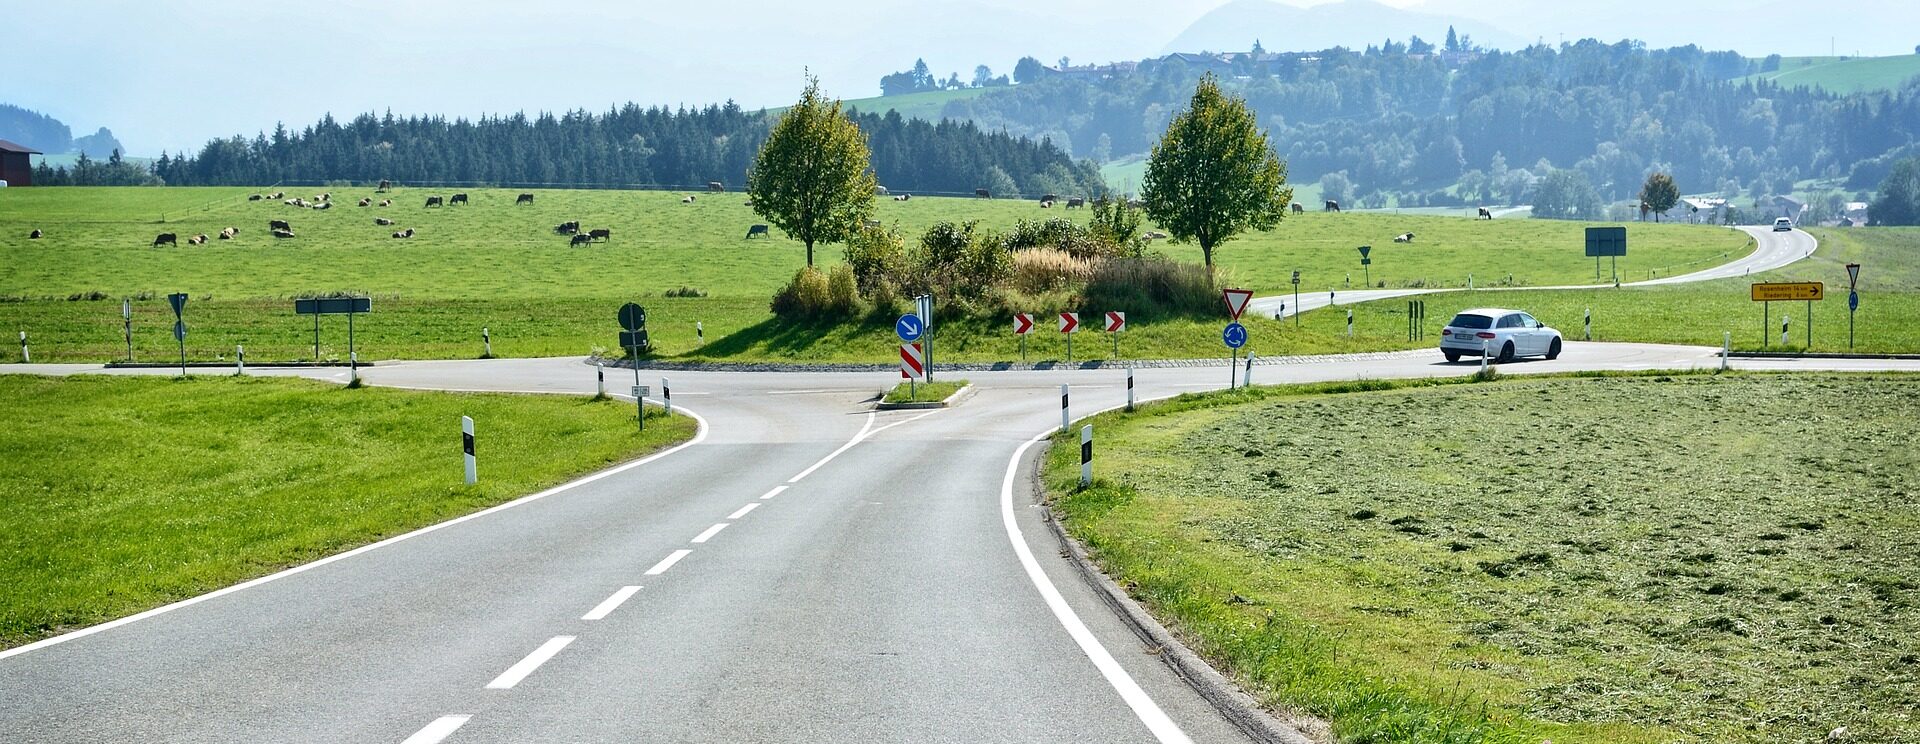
x=16 y=164
x=1784 y=206
x=1700 y=210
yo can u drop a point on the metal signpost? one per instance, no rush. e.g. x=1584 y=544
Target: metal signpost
x=640 y=393
x=1366 y=263
x=348 y=306
x=1235 y=335
x=179 y=302
x=633 y=338
x=1069 y=322
x=924 y=308
x=1296 y=300
x=1610 y=242
x=1022 y=325
x=1853 y=299
x=126 y=317
x=1116 y=322
x=913 y=366
x=1768 y=293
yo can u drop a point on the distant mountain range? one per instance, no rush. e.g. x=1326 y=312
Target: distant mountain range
x=1353 y=24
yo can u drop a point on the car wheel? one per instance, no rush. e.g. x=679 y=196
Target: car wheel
x=1452 y=356
x=1506 y=353
x=1553 y=350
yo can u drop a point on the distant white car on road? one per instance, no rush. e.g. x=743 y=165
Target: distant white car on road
x=1504 y=334
x=1783 y=225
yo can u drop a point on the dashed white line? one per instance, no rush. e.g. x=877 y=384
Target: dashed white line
x=441 y=728
x=524 y=667
x=775 y=492
x=667 y=562
x=743 y=510
x=612 y=603
x=708 y=535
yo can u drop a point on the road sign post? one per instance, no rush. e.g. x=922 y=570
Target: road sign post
x=640 y=393
x=1296 y=299
x=924 y=306
x=1116 y=322
x=1086 y=455
x=348 y=306
x=1853 y=299
x=909 y=328
x=1234 y=336
x=1366 y=264
x=1069 y=322
x=179 y=302
x=1022 y=325
x=1610 y=242
x=126 y=317
x=913 y=366
x=466 y=446
x=633 y=337
x=1768 y=293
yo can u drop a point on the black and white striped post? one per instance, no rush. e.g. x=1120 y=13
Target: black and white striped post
x=600 y=380
x=1066 y=422
x=666 y=395
x=353 y=367
x=1086 y=455
x=466 y=444
x=700 y=333
x=1349 y=324
x=486 y=343
x=1726 y=348
x=1587 y=335
x=25 y=355
x=1129 y=388
x=239 y=359
x=1246 y=378
x=1486 y=352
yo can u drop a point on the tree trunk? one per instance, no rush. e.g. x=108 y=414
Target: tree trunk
x=809 y=254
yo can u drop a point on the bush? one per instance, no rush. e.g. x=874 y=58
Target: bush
x=877 y=256
x=806 y=297
x=843 y=296
x=686 y=292
x=1152 y=286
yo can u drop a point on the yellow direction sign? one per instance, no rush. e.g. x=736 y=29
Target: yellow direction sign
x=1789 y=291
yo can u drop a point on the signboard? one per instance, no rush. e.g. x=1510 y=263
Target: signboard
x=642 y=391
x=179 y=302
x=1069 y=322
x=1235 y=335
x=333 y=306
x=1364 y=261
x=633 y=317
x=1116 y=321
x=909 y=328
x=1237 y=298
x=924 y=309
x=179 y=330
x=1853 y=275
x=1296 y=277
x=1789 y=291
x=913 y=364
x=1022 y=324
x=1606 y=241
x=633 y=339
x=1364 y=250
x=1853 y=301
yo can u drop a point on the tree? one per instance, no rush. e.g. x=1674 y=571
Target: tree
x=922 y=78
x=1660 y=194
x=1566 y=195
x=811 y=178
x=1028 y=70
x=1899 y=201
x=1213 y=174
x=982 y=76
x=1417 y=45
x=1336 y=186
x=1453 y=40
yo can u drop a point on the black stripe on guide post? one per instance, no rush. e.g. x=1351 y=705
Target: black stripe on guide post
x=1086 y=452
x=466 y=442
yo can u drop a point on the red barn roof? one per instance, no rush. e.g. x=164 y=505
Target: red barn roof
x=6 y=146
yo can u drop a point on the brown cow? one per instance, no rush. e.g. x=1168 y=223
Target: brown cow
x=1486 y=213
x=279 y=225
x=601 y=233
x=164 y=238
x=1297 y=209
x=580 y=240
x=1076 y=202
x=523 y=199
x=457 y=199
x=716 y=186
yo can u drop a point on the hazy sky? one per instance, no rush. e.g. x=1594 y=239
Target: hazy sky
x=172 y=74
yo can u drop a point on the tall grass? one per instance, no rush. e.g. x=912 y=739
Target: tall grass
x=1153 y=287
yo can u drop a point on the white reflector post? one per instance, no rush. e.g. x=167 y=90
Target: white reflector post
x=466 y=443
x=1086 y=455
x=1129 y=388
x=666 y=394
x=1066 y=422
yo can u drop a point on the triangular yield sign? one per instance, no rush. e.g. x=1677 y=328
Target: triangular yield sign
x=1236 y=301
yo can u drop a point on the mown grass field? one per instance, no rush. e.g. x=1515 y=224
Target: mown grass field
x=1604 y=559
x=120 y=494
x=495 y=265
x=1845 y=75
x=929 y=105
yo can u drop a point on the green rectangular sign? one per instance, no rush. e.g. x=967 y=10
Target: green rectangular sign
x=1606 y=241
x=333 y=306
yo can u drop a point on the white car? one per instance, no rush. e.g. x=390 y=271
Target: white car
x=1505 y=334
x=1783 y=225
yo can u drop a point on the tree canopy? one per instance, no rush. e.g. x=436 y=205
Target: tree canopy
x=1213 y=175
x=1659 y=194
x=811 y=178
x=1899 y=199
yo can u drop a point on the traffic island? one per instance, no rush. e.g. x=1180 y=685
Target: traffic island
x=944 y=394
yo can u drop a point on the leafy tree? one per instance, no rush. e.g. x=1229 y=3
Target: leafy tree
x=1566 y=195
x=811 y=178
x=1028 y=70
x=1336 y=186
x=1103 y=148
x=1899 y=201
x=922 y=78
x=1453 y=40
x=1116 y=223
x=1213 y=175
x=1659 y=194
x=1417 y=45
x=982 y=76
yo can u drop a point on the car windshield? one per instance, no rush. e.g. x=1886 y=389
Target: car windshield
x=1469 y=320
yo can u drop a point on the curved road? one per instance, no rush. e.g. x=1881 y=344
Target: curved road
x=1773 y=250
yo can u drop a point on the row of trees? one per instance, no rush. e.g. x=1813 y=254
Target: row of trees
x=920 y=79
x=627 y=146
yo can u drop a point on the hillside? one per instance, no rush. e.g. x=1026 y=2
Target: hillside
x=1844 y=75
x=927 y=105
x=1354 y=24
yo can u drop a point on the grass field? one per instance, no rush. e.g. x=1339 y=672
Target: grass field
x=929 y=105
x=1606 y=559
x=1844 y=75
x=120 y=494
x=498 y=266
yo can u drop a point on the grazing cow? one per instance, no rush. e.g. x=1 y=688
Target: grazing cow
x=1403 y=238
x=1297 y=209
x=686 y=200
x=255 y=197
x=523 y=199
x=277 y=195
x=434 y=201
x=283 y=233
x=749 y=202
x=324 y=197
x=983 y=193
x=1049 y=197
x=200 y=239
x=1076 y=202
x=1155 y=235
x=716 y=186
x=1046 y=205
x=1332 y=206
x=1485 y=213
x=382 y=221
x=230 y=233
x=567 y=228
x=601 y=233
x=580 y=240
x=386 y=202
x=35 y=235
x=366 y=202
x=758 y=230
x=457 y=199
x=384 y=185
x=279 y=225
x=164 y=238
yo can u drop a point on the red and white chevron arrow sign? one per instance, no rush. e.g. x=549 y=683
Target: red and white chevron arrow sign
x=1022 y=324
x=1116 y=321
x=1069 y=322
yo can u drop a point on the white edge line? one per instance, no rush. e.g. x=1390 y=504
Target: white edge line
x=605 y=608
x=752 y=505
x=441 y=728
x=667 y=562
x=710 y=532
x=699 y=435
x=526 y=666
x=1149 y=712
x=865 y=432
x=775 y=492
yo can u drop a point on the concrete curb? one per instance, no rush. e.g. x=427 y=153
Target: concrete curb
x=1001 y=366
x=228 y=365
x=1234 y=704
x=1816 y=355
x=965 y=392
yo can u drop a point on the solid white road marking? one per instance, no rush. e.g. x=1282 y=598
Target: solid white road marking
x=775 y=492
x=441 y=728
x=612 y=603
x=865 y=431
x=667 y=562
x=699 y=436
x=711 y=531
x=519 y=671
x=743 y=510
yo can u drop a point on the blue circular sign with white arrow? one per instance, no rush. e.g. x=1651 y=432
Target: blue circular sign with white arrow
x=909 y=327
x=1853 y=300
x=1235 y=335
